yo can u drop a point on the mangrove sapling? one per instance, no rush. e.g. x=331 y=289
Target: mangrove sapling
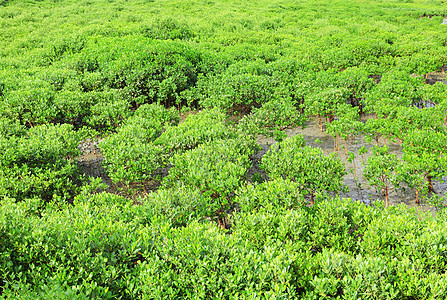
x=396 y=88
x=325 y=104
x=374 y=129
x=216 y=168
x=271 y=119
x=434 y=94
x=40 y=163
x=234 y=92
x=158 y=112
x=380 y=170
x=346 y=126
x=357 y=83
x=309 y=167
x=11 y=127
x=408 y=173
x=363 y=151
x=110 y=110
x=438 y=201
x=351 y=159
x=205 y=126
x=68 y=62
x=401 y=120
x=425 y=151
x=130 y=154
x=180 y=204
x=274 y=195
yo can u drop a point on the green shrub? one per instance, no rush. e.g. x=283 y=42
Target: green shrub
x=277 y=194
x=424 y=153
x=277 y=114
x=168 y=28
x=309 y=167
x=341 y=274
x=105 y=246
x=129 y=161
x=325 y=103
x=39 y=163
x=179 y=205
x=74 y=107
x=339 y=225
x=205 y=126
x=217 y=169
x=391 y=234
x=108 y=110
x=149 y=71
x=11 y=127
x=235 y=92
x=158 y=112
x=92 y=248
x=381 y=169
x=41 y=146
x=59 y=181
x=130 y=154
x=200 y=262
x=32 y=103
x=257 y=229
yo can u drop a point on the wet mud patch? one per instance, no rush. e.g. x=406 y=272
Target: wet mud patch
x=90 y=161
x=91 y=164
x=359 y=188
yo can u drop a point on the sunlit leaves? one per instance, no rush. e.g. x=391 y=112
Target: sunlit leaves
x=380 y=170
x=309 y=167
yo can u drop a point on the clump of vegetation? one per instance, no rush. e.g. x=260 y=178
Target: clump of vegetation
x=381 y=170
x=130 y=154
x=217 y=169
x=205 y=126
x=272 y=118
x=314 y=172
x=39 y=164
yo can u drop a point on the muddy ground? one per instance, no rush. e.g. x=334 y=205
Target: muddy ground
x=91 y=164
x=359 y=189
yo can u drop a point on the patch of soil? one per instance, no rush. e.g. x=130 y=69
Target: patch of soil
x=359 y=189
x=91 y=163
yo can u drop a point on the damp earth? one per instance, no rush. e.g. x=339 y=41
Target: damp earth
x=91 y=163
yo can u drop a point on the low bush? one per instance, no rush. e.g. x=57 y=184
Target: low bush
x=179 y=205
x=105 y=246
x=109 y=109
x=205 y=126
x=130 y=154
x=234 y=92
x=277 y=194
x=39 y=163
x=275 y=115
x=89 y=250
x=217 y=169
x=309 y=167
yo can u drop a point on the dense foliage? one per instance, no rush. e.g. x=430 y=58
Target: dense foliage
x=106 y=247
x=130 y=154
x=177 y=94
x=309 y=167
